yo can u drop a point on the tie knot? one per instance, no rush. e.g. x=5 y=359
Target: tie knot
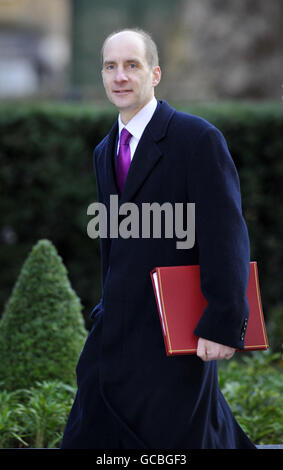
x=125 y=137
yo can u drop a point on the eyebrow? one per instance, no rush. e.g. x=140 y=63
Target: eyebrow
x=108 y=62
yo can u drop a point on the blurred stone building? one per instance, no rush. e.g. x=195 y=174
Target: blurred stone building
x=209 y=49
x=226 y=49
x=34 y=46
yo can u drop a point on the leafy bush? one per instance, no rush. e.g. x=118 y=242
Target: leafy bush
x=9 y=426
x=35 y=417
x=253 y=388
x=42 y=330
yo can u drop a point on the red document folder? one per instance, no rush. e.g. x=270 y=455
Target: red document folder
x=180 y=304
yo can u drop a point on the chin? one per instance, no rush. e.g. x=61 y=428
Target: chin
x=123 y=104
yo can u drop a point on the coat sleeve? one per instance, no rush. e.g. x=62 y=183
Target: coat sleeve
x=104 y=246
x=222 y=239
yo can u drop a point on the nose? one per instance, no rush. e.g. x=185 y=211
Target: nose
x=120 y=75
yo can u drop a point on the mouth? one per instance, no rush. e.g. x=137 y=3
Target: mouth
x=121 y=92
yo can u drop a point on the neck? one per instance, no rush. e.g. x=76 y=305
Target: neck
x=127 y=115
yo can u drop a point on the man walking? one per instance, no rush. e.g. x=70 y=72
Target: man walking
x=130 y=394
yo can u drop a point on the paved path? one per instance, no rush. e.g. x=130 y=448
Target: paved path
x=270 y=446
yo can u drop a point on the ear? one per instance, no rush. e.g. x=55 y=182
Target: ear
x=156 y=75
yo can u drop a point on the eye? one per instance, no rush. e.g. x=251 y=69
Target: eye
x=132 y=65
x=109 y=67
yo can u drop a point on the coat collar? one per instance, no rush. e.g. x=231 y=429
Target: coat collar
x=146 y=155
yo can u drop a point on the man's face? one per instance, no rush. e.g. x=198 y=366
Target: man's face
x=128 y=79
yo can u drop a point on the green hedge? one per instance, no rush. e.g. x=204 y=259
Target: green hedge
x=47 y=183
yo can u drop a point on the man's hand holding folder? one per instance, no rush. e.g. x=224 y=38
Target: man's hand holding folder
x=180 y=304
x=211 y=351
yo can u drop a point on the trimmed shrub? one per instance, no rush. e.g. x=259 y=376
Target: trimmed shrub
x=42 y=329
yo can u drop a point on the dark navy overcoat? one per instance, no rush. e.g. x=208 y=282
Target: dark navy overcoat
x=126 y=383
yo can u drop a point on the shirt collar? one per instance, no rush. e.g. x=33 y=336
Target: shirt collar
x=138 y=123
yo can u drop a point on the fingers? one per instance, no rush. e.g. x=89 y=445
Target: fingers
x=201 y=350
x=229 y=355
x=211 y=351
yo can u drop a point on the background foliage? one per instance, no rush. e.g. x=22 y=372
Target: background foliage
x=35 y=417
x=47 y=183
x=253 y=387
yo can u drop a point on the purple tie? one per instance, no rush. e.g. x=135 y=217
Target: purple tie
x=124 y=158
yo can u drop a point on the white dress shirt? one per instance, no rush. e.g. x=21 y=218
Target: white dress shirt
x=137 y=124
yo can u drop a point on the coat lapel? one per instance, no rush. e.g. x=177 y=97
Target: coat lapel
x=109 y=169
x=146 y=156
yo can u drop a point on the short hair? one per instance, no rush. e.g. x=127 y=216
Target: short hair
x=151 y=51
